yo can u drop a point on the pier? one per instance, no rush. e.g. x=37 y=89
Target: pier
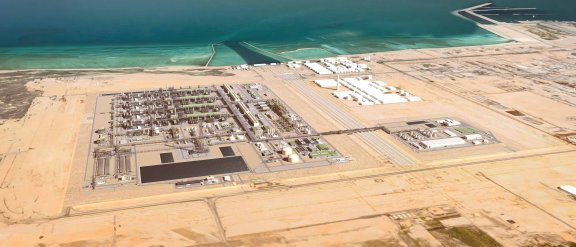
x=480 y=19
x=211 y=56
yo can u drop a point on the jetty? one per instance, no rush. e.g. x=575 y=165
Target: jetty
x=470 y=13
x=501 y=29
x=211 y=56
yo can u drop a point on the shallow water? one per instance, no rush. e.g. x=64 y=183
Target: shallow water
x=150 y=33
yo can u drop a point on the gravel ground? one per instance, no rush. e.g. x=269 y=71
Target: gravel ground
x=15 y=98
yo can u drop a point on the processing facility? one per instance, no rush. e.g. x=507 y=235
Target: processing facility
x=179 y=134
x=438 y=134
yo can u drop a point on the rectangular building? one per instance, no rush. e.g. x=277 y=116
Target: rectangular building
x=443 y=143
x=568 y=189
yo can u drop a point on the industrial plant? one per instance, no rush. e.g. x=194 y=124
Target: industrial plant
x=175 y=134
x=367 y=92
x=438 y=134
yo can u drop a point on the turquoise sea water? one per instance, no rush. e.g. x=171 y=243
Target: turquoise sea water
x=62 y=34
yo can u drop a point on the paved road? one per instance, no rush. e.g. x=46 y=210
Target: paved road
x=212 y=200
x=374 y=141
x=69 y=212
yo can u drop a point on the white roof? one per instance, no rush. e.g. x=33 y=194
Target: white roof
x=342 y=94
x=375 y=91
x=380 y=83
x=390 y=98
x=330 y=59
x=473 y=137
x=319 y=69
x=568 y=189
x=447 y=142
x=326 y=83
x=414 y=98
x=449 y=122
x=351 y=79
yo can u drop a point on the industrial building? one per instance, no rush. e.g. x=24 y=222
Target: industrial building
x=443 y=143
x=318 y=69
x=367 y=92
x=326 y=83
x=336 y=65
x=571 y=190
x=438 y=134
x=170 y=134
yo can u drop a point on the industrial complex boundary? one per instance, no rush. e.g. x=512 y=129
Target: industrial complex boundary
x=70 y=212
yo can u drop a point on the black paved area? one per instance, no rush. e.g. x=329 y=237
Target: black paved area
x=227 y=151
x=166 y=158
x=191 y=169
x=416 y=122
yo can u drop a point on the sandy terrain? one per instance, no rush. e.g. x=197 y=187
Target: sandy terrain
x=335 y=212
x=552 y=111
x=37 y=160
x=507 y=190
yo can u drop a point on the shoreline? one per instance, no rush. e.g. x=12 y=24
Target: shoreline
x=207 y=67
x=497 y=31
x=508 y=32
x=176 y=67
x=516 y=91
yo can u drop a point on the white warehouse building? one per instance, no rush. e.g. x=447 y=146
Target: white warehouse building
x=442 y=143
x=568 y=189
x=326 y=83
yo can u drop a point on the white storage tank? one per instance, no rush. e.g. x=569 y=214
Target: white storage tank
x=287 y=151
x=293 y=158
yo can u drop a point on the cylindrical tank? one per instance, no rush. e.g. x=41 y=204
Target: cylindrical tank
x=287 y=151
x=293 y=158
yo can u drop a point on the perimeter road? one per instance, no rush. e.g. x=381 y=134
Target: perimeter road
x=381 y=146
x=69 y=212
x=211 y=202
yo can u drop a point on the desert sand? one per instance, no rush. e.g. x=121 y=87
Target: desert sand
x=506 y=190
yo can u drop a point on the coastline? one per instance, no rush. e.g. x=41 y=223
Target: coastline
x=499 y=33
x=212 y=58
x=45 y=152
x=181 y=55
x=203 y=67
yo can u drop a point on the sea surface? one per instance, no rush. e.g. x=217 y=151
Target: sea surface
x=73 y=34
